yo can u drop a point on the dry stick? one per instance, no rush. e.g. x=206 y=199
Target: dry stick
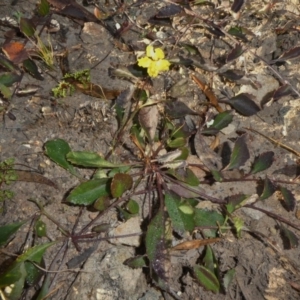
x=276 y=73
x=274 y=216
x=63 y=250
x=275 y=142
x=200 y=194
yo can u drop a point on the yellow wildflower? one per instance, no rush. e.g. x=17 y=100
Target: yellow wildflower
x=154 y=61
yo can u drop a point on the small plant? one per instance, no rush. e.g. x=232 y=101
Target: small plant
x=162 y=168
x=70 y=80
x=63 y=89
x=154 y=61
x=44 y=52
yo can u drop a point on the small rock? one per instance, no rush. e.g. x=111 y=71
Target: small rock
x=253 y=213
x=108 y=278
x=93 y=33
x=129 y=227
x=267 y=83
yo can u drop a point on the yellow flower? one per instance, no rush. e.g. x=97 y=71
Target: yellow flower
x=154 y=61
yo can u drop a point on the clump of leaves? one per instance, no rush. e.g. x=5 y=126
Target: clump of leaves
x=67 y=85
x=162 y=168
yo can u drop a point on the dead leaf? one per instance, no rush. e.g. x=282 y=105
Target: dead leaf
x=34 y=177
x=15 y=52
x=209 y=158
x=194 y=244
x=95 y=90
x=208 y=93
x=148 y=118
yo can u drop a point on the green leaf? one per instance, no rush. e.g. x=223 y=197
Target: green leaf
x=43 y=8
x=14 y=291
x=240 y=154
x=33 y=273
x=184 y=154
x=290 y=240
x=102 y=203
x=217 y=175
x=40 y=228
x=207 y=278
x=238 y=32
x=135 y=131
x=114 y=171
x=181 y=222
x=136 y=262
x=8 y=79
x=88 y=192
x=14 y=272
x=205 y=218
x=104 y=227
x=124 y=214
x=238 y=224
x=35 y=253
x=262 y=162
x=30 y=66
x=6 y=231
x=133 y=207
x=209 y=260
x=288 y=198
x=154 y=235
x=222 y=120
x=5 y=91
x=185 y=175
x=45 y=288
x=177 y=143
x=228 y=277
x=120 y=183
x=89 y=159
x=27 y=27
x=235 y=202
x=7 y=64
x=269 y=189
x=57 y=151
x=186 y=209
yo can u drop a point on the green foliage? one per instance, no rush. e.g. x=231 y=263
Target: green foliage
x=66 y=86
x=23 y=270
x=63 y=89
x=7 y=176
x=159 y=168
x=6 y=231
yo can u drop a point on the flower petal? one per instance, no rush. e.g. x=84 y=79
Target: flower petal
x=155 y=54
x=152 y=70
x=145 y=62
x=162 y=65
x=150 y=51
x=159 y=54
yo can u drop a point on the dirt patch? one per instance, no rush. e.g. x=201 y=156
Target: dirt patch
x=266 y=267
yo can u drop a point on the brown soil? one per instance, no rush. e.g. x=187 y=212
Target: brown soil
x=265 y=269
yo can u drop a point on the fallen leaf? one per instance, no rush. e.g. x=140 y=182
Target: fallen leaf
x=34 y=177
x=208 y=93
x=15 y=52
x=194 y=244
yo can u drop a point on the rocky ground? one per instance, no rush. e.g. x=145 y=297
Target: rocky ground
x=265 y=267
